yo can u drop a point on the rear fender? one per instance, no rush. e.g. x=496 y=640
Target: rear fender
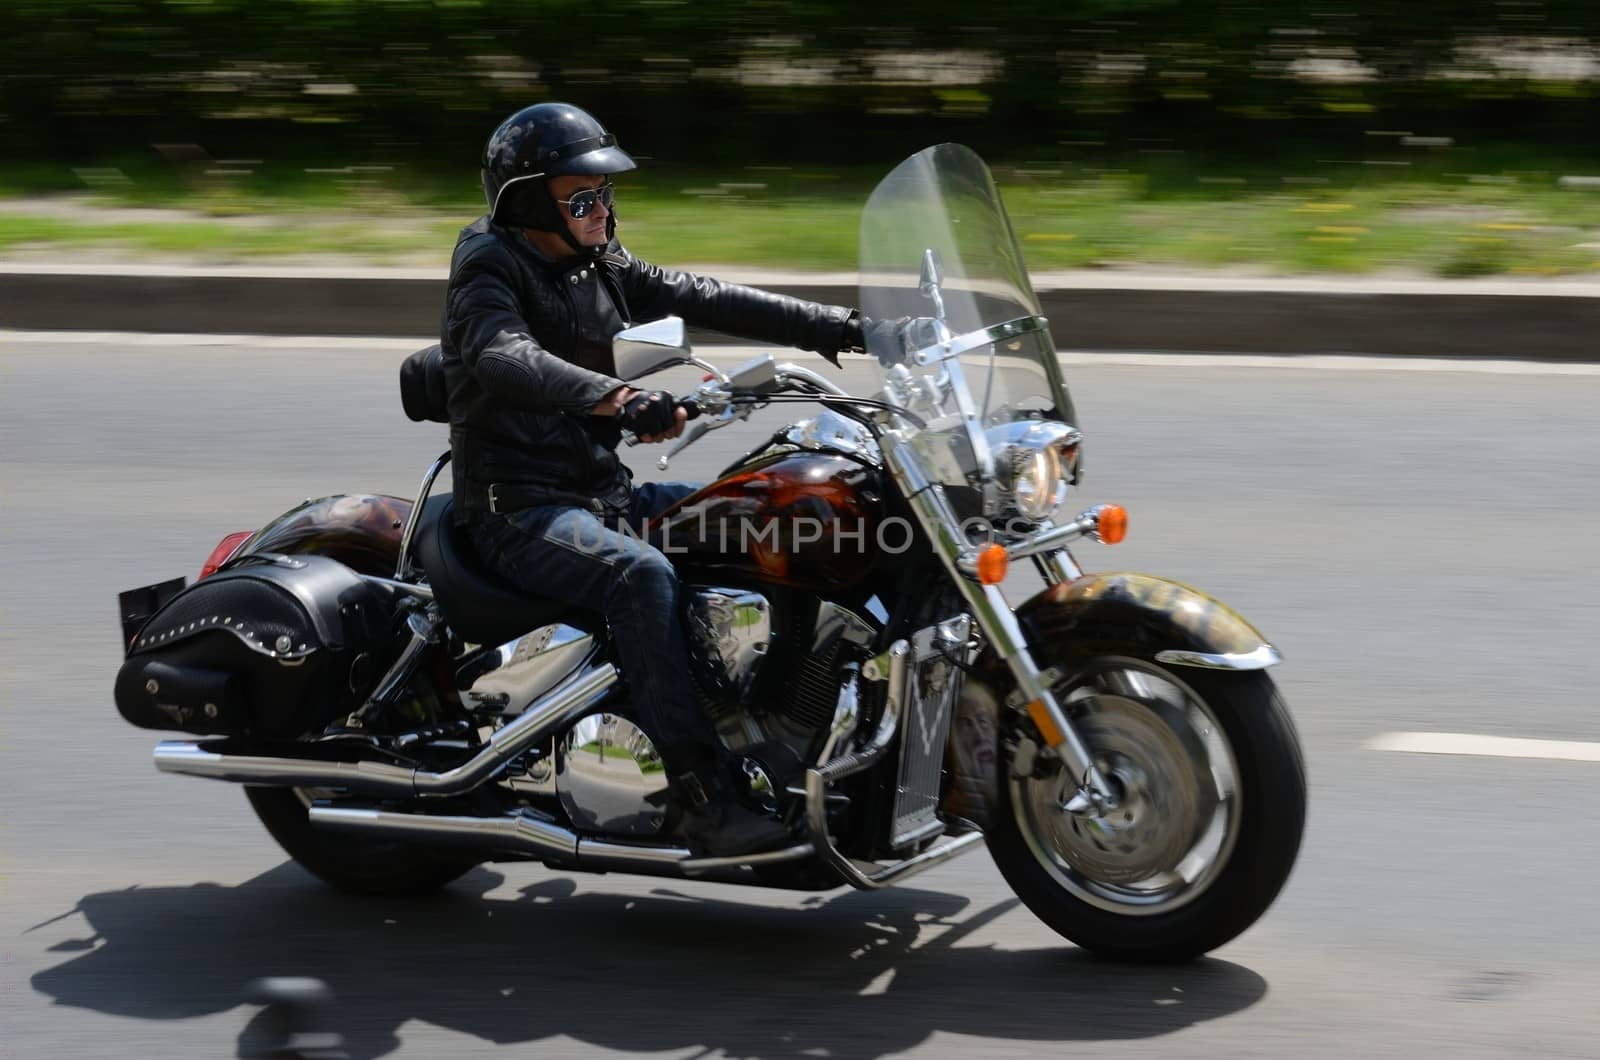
x=362 y=531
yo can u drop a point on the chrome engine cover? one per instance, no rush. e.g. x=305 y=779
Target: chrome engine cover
x=510 y=677
x=610 y=777
x=729 y=631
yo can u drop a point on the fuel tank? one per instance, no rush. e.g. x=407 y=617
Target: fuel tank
x=812 y=520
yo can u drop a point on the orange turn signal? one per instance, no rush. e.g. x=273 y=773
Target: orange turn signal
x=1112 y=525
x=992 y=564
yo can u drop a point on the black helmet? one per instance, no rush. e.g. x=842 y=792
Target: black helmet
x=534 y=144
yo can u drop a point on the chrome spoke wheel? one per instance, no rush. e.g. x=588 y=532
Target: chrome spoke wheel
x=1178 y=808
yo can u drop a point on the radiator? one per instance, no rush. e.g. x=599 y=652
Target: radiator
x=933 y=680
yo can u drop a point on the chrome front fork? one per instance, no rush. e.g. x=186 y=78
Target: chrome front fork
x=994 y=614
x=1057 y=567
x=999 y=623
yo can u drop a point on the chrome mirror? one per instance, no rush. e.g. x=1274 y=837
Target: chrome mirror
x=759 y=374
x=650 y=347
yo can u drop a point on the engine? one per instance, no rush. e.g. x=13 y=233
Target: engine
x=731 y=639
x=607 y=773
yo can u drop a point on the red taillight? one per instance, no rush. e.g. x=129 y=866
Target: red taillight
x=224 y=552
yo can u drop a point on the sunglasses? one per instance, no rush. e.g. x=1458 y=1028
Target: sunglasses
x=581 y=205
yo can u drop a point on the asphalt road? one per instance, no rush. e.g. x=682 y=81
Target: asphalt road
x=1421 y=545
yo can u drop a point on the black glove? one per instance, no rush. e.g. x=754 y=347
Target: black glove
x=894 y=341
x=649 y=412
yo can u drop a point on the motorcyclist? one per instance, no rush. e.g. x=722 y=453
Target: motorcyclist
x=538 y=287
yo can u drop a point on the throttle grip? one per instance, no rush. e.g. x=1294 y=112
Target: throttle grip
x=691 y=410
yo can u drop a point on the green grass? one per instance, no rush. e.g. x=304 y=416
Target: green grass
x=1448 y=216
x=214 y=242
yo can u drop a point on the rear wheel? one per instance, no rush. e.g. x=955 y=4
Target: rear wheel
x=351 y=863
x=1211 y=804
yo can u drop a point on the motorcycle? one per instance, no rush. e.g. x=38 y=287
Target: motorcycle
x=398 y=715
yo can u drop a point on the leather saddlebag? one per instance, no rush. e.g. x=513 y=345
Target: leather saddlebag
x=273 y=646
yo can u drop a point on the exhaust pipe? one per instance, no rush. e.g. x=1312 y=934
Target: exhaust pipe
x=529 y=836
x=561 y=707
x=520 y=833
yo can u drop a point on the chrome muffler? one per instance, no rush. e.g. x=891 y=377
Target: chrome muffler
x=524 y=835
x=555 y=711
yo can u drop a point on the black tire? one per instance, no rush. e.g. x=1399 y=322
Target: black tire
x=354 y=864
x=1271 y=783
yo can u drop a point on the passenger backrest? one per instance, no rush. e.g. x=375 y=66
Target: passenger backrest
x=423 y=393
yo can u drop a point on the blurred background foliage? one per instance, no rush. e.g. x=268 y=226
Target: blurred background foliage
x=811 y=81
x=1456 y=137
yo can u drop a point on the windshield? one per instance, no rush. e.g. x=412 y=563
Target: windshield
x=936 y=243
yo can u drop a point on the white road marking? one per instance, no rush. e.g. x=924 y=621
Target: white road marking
x=1332 y=363
x=112 y=340
x=1462 y=743
x=213 y=272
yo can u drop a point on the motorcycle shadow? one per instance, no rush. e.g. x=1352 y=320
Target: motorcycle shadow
x=851 y=973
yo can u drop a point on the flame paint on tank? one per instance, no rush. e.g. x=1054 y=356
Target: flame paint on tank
x=806 y=519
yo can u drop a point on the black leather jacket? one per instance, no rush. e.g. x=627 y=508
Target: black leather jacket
x=527 y=353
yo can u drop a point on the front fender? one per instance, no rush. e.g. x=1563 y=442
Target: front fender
x=1119 y=613
x=1096 y=615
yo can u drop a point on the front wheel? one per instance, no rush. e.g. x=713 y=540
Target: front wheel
x=354 y=864
x=1211 y=805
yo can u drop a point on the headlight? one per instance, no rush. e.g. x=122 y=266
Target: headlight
x=1036 y=462
x=1035 y=487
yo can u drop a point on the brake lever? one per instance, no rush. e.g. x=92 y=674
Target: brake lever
x=697 y=432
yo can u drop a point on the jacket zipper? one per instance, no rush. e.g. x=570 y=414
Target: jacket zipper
x=587 y=443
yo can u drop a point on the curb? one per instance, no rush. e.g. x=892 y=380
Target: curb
x=1557 y=321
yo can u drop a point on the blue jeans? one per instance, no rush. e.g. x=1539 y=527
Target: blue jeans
x=569 y=554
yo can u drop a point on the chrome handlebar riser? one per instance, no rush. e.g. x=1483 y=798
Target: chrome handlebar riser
x=716 y=400
x=787 y=371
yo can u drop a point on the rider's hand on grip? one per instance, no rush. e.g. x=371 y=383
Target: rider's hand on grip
x=649 y=413
x=893 y=342
x=690 y=408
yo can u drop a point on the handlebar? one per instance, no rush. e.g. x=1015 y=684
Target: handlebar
x=691 y=410
x=727 y=399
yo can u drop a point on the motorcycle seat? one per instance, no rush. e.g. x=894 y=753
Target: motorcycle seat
x=482 y=607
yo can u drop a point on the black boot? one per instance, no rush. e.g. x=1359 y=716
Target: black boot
x=715 y=822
